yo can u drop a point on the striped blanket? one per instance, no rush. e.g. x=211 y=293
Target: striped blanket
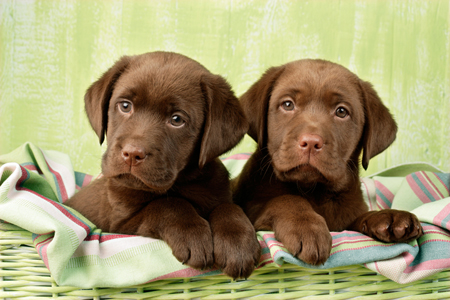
x=35 y=183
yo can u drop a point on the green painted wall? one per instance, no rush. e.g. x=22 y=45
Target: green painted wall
x=50 y=51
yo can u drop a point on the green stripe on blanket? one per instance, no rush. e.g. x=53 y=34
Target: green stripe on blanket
x=35 y=182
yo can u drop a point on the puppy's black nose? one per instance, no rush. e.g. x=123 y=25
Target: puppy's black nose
x=311 y=142
x=133 y=155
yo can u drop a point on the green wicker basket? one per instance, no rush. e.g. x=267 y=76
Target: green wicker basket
x=24 y=275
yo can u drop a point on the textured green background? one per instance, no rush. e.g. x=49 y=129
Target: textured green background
x=50 y=51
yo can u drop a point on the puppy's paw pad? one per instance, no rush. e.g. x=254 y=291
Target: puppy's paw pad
x=392 y=226
x=200 y=258
x=309 y=242
x=316 y=250
x=237 y=259
x=238 y=269
x=194 y=247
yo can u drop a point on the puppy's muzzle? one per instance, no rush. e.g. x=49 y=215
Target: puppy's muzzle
x=133 y=155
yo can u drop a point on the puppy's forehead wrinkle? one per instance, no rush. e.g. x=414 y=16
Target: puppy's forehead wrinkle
x=317 y=77
x=149 y=80
x=164 y=91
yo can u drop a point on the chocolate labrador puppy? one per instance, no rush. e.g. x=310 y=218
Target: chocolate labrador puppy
x=166 y=119
x=311 y=120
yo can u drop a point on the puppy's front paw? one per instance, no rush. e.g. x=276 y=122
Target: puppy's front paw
x=390 y=225
x=308 y=240
x=192 y=244
x=238 y=253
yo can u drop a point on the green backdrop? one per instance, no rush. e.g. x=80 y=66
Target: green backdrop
x=50 y=52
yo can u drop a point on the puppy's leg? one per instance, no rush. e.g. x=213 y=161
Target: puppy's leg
x=303 y=232
x=236 y=248
x=176 y=222
x=389 y=225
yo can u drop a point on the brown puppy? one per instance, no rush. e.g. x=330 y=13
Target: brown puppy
x=312 y=119
x=166 y=119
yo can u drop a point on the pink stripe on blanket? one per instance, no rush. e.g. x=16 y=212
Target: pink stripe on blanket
x=279 y=250
x=431 y=188
x=87 y=179
x=436 y=264
x=239 y=156
x=41 y=247
x=363 y=247
x=408 y=257
x=442 y=219
x=262 y=244
x=275 y=243
x=44 y=255
x=32 y=168
x=51 y=202
x=416 y=188
x=443 y=183
x=106 y=237
x=44 y=241
x=61 y=187
x=265 y=259
x=353 y=239
x=436 y=190
x=387 y=194
x=433 y=240
x=434 y=229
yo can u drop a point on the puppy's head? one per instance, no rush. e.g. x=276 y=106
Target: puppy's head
x=161 y=112
x=315 y=117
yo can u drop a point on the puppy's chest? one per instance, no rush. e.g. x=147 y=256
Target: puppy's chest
x=323 y=204
x=339 y=210
x=149 y=202
x=202 y=200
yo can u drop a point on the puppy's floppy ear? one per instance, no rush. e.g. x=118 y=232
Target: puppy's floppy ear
x=255 y=102
x=380 y=128
x=225 y=122
x=96 y=99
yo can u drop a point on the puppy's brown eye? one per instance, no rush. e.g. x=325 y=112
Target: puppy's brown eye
x=288 y=105
x=176 y=121
x=341 y=112
x=125 y=106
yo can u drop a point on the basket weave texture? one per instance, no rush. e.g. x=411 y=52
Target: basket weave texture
x=24 y=275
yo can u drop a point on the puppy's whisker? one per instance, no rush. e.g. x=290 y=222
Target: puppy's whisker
x=265 y=161
x=266 y=169
x=271 y=175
